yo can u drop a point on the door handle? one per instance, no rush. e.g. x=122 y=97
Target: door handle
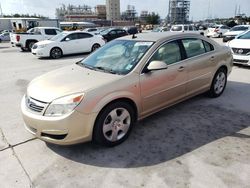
x=212 y=58
x=181 y=68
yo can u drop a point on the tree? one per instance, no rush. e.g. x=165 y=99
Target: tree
x=153 y=19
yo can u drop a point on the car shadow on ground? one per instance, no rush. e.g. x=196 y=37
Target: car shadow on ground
x=167 y=134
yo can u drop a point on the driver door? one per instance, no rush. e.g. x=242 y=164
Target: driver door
x=161 y=88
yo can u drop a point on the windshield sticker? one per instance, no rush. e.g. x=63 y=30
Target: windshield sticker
x=143 y=43
x=129 y=66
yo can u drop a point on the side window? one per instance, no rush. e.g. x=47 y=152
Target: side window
x=185 y=28
x=73 y=36
x=169 y=53
x=84 y=35
x=58 y=31
x=208 y=47
x=112 y=32
x=50 y=32
x=190 y=28
x=193 y=47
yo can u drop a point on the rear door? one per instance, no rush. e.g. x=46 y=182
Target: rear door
x=86 y=42
x=200 y=61
x=163 y=87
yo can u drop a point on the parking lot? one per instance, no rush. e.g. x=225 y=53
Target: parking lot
x=201 y=142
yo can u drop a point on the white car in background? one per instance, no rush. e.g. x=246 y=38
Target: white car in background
x=241 y=48
x=68 y=43
x=234 y=31
x=217 y=30
x=185 y=28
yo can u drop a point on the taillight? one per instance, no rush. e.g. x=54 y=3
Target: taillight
x=17 y=38
x=216 y=30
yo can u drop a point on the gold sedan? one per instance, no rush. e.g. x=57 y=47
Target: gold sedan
x=130 y=78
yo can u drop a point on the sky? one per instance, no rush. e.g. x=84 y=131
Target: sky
x=200 y=9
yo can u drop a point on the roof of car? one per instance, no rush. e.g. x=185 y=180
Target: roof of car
x=155 y=36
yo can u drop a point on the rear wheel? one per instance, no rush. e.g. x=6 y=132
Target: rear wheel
x=114 y=124
x=95 y=47
x=24 y=49
x=30 y=45
x=56 y=53
x=219 y=83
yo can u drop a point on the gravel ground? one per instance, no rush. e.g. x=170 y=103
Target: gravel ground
x=199 y=143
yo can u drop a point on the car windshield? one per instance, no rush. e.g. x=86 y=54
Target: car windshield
x=104 y=32
x=239 y=28
x=245 y=35
x=117 y=57
x=156 y=29
x=176 y=28
x=59 y=36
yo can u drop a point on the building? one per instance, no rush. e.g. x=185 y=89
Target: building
x=129 y=14
x=178 y=11
x=101 y=11
x=75 y=13
x=113 y=9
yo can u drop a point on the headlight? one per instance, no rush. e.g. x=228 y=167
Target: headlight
x=63 y=105
x=42 y=46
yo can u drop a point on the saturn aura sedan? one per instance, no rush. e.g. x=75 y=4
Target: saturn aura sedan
x=101 y=97
x=68 y=43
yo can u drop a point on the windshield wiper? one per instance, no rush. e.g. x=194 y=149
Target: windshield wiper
x=105 y=70
x=84 y=65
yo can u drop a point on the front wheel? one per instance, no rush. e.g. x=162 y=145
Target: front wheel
x=114 y=124
x=219 y=83
x=56 y=53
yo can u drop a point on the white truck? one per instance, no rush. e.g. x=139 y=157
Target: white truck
x=26 y=40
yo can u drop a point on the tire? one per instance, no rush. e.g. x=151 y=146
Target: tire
x=220 y=35
x=24 y=49
x=113 y=124
x=30 y=45
x=56 y=53
x=95 y=47
x=219 y=83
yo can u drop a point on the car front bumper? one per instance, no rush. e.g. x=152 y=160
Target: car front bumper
x=228 y=38
x=241 y=59
x=40 y=52
x=69 y=129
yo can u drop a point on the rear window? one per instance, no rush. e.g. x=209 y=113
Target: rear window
x=176 y=28
x=239 y=28
x=193 y=47
x=208 y=47
x=84 y=35
x=50 y=32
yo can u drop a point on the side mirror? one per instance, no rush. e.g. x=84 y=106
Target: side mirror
x=156 y=65
x=67 y=39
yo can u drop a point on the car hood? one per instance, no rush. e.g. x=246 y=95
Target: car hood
x=67 y=80
x=233 y=33
x=240 y=43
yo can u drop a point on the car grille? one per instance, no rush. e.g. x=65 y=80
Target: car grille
x=34 y=46
x=241 y=51
x=240 y=61
x=35 y=105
